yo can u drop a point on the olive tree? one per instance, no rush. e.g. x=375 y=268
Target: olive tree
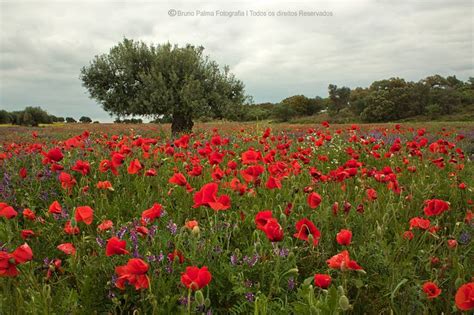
x=162 y=81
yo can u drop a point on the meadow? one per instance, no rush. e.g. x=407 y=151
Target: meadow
x=237 y=218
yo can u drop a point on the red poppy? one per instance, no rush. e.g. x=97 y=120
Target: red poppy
x=344 y=237
x=176 y=253
x=28 y=214
x=82 y=167
x=134 y=273
x=151 y=214
x=53 y=155
x=273 y=230
x=134 y=167
x=262 y=218
x=67 y=180
x=305 y=228
x=420 y=223
x=7 y=211
x=342 y=261
x=196 y=278
x=191 y=224
x=105 y=225
x=435 y=207
x=180 y=180
x=464 y=297
x=117 y=159
x=84 y=214
x=27 y=234
x=69 y=229
x=452 y=243
x=23 y=172
x=67 y=248
x=408 y=235
x=314 y=199
x=252 y=173
x=251 y=157
x=431 y=290
x=207 y=196
x=371 y=194
x=105 y=185
x=22 y=254
x=322 y=280
x=273 y=183
x=151 y=172
x=55 y=207
x=55 y=265
x=115 y=246
x=9 y=261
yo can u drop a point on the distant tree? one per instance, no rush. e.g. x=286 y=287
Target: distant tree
x=162 y=80
x=70 y=120
x=339 y=97
x=31 y=116
x=283 y=112
x=302 y=105
x=5 y=117
x=60 y=119
x=85 y=120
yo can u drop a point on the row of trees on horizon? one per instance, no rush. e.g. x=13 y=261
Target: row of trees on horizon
x=33 y=116
x=385 y=100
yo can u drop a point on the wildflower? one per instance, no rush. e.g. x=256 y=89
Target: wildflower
x=196 y=278
x=84 y=214
x=305 y=228
x=314 y=200
x=342 y=261
x=344 y=237
x=464 y=297
x=133 y=273
x=115 y=246
x=431 y=289
x=322 y=280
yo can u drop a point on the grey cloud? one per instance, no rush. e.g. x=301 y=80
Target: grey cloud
x=44 y=44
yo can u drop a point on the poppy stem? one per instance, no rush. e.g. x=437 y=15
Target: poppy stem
x=189 y=301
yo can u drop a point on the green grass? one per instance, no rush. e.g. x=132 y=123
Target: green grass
x=267 y=278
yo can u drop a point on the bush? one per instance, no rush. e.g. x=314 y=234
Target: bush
x=85 y=120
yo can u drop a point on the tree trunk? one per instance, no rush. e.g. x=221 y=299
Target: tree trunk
x=181 y=124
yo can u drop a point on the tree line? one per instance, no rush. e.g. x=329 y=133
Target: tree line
x=33 y=116
x=384 y=100
x=168 y=83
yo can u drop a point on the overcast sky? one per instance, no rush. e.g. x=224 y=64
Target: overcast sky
x=44 y=44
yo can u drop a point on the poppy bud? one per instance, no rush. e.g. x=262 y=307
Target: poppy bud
x=199 y=297
x=207 y=302
x=283 y=219
x=344 y=303
x=196 y=231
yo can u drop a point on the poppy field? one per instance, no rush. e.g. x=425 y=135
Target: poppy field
x=237 y=219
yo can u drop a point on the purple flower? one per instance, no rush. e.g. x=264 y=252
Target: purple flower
x=250 y=296
x=172 y=227
x=100 y=241
x=291 y=283
x=234 y=260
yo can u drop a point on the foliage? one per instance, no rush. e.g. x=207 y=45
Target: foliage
x=406 y=166
x=162 y=80
x=85 y=120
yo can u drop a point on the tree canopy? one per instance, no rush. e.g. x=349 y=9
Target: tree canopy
x=179 y=83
